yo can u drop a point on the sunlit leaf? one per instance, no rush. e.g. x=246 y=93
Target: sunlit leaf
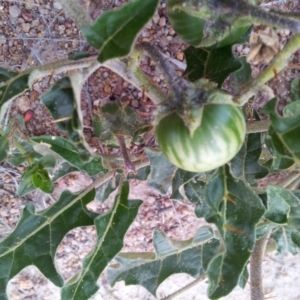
x=114 y=32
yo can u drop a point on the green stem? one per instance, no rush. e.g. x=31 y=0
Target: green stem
x=279 y=63
x=150 y=88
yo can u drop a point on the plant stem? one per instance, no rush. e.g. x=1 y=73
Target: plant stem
x=134 y=76
x=256 y=268
x=91 y=64
x=58 y=67
x=174 y=81
x=258 y=126
x=185 y=288
x=280 y=61
x=129 y=167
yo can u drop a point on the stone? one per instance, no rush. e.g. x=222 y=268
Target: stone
x=57 y=5
x=14 y=11
x=26 y=27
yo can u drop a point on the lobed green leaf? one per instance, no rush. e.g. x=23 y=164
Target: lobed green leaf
x=235 y=209
x=37 y=235
x=191 y=257
x=111 y=229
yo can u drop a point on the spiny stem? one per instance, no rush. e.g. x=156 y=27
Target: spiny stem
x=274 y=19
x=280 y=61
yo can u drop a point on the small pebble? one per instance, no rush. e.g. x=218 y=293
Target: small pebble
x=14 y=11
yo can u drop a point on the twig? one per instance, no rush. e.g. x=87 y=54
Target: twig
x=185 y=288
x=256 y=268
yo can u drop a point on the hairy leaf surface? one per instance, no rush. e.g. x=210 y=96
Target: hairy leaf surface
x=191 y=257
x=37 y=235
x=235 y=209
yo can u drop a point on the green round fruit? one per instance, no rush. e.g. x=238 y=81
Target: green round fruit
x=215 y=142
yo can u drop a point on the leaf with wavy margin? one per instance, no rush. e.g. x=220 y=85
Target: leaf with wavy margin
x=37 y=235
x=235 y=209
x=191 y=257
x=111 y=229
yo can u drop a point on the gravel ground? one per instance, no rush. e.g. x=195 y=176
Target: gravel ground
x=33 y=32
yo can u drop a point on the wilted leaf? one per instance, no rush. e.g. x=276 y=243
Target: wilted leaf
x=69 y=152
x=162 y=171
